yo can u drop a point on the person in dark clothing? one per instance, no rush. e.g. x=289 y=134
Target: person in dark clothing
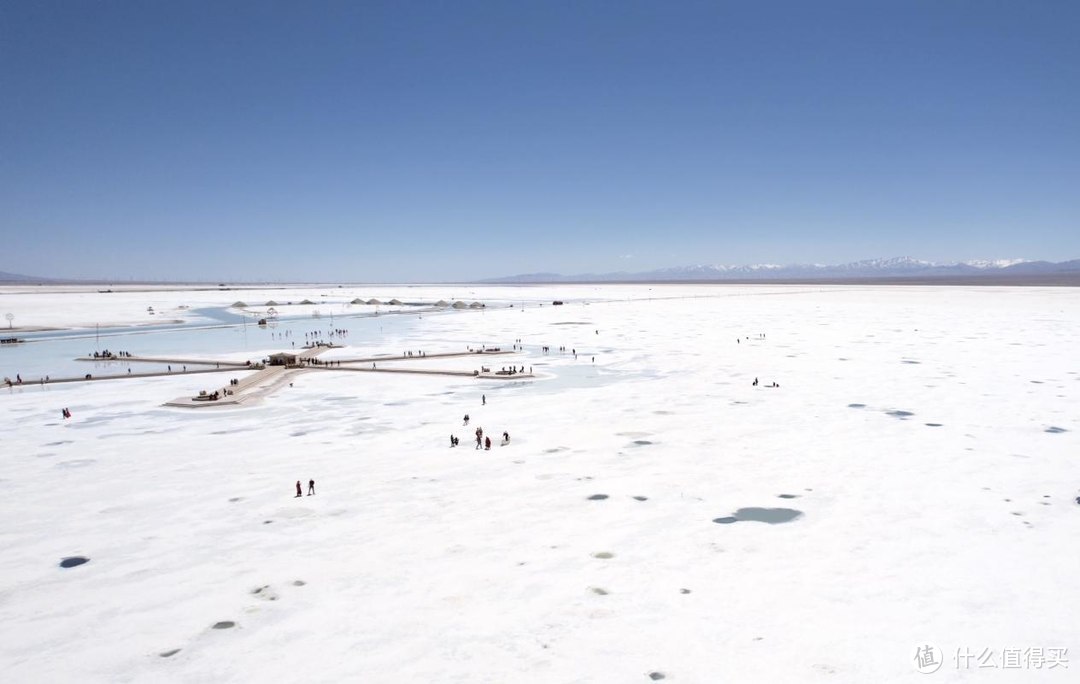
x=487 y=442
x=483 y=399
x=311 y=487
x=299 y=489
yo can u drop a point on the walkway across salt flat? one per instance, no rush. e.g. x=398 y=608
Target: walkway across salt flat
x=267 y=379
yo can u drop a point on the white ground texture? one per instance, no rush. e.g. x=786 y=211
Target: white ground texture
x=415 y=562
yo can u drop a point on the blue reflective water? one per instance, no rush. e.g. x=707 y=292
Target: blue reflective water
x=212 y=332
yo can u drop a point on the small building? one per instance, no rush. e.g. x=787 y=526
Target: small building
x=284 y=359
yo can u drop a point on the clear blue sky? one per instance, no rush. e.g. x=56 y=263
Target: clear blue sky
x=458 y=140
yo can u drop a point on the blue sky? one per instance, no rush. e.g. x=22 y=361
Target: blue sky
x=429 y=141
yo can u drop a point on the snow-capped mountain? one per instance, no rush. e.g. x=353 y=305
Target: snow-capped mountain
x=894 y=267
x=994 y=263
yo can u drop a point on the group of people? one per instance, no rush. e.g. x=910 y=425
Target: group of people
x=18 y=380
x=111 y=355
x=482 y=442
x=774 y=384
x=300 y=488
x=513 y=370
x=315 y=339
x=319 y=362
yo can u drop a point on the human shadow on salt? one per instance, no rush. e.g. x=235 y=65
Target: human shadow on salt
x=73 y=561
x=772 y=516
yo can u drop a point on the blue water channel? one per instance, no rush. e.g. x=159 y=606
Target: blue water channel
x=211 y=331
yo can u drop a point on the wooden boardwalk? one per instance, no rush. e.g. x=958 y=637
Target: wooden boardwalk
x=263 y=380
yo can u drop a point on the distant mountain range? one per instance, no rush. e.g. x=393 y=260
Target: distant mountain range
x=1018 y=271
x=17 y=278
x=893 y=268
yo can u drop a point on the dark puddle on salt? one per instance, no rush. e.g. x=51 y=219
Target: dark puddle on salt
x=641 y=442
x=598 y=497
x=902 y=415
x=856 y=405
x=73 y=561
x=772 y=516
x=1055 y=430
x=224 y=624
